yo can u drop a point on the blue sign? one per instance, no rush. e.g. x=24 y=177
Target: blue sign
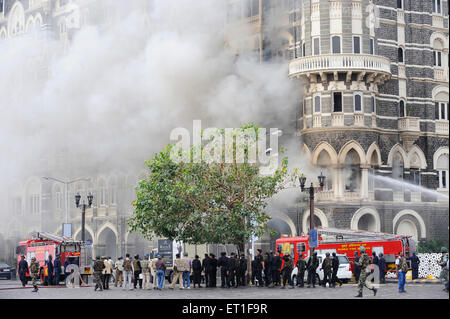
x=313 y=238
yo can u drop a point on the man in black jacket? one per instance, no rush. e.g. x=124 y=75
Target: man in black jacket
x=233 y=264
x=311 y=266
x=276 y=269
x=197 y=270
x=223 y=264
x=334 y=277
x=301 y=267
x=267 y=269
x=23 y=269
x=212 y=270
x=242 y=270
x=205 y=268
x=382 y=266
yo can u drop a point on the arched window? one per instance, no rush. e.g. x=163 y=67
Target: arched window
x=357 y=102
x=373 y=104
x=402 y=108
x=401 y=55
x=438 y=48
x=442 y=168
x=317 y=103
x=352 y=171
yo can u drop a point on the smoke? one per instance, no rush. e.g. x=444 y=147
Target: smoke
x=109 y=98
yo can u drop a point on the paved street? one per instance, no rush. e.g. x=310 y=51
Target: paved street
x=388 y=291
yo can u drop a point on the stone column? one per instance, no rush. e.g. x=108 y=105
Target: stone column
x=364 y=182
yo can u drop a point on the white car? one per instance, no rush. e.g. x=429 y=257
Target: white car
x=344 y=272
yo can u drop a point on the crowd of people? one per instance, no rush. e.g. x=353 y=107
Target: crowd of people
x=268 y=270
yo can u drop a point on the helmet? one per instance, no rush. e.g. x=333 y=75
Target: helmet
x=362 y=249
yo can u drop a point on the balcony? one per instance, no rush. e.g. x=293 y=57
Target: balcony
x=438 y=21
x=409 y=128
x=376 y=68
x=442 y=127
x=317 y=120
x=337 y=119
x=440 y=74
x=359 y=119
x=326 y=195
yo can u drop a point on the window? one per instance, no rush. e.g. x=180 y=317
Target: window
x=400 y=4
x=401 y=58
x=357 y=44
x=336 y=44
x=303 y=48
x=337 y=102
x=316 y=46
x=372 y=102
x=1 y=6
x=301 y=247
x=402 y=108
x=437 y=58
x=436 y=6
x=35 y=206
x=317 y=104
x=414 y=176
x=357 y=102
x=372 y=46
x=442 y=168
x=442 y=110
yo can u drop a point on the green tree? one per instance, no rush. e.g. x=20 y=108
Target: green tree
x=206 y=202
x=431 y=246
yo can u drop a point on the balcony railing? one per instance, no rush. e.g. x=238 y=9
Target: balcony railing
x=442 y=127
x=438 y=21
x=351 y=195
x=359 y=119
x=409 y=124
x=317 y=120
x=337 y=119
x=440 y=74
x=340 y=62
x=325 y=195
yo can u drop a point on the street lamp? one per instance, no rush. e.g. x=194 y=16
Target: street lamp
x=83 y=211
x=311 y=190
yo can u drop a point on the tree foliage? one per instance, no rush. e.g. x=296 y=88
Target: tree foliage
x=205 y=202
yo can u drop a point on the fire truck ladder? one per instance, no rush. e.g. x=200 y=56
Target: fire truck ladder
x=349 y=235
x=59 y=239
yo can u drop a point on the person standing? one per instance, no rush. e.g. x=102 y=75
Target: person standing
x=187 y=266
x=375 y=259
x=233 y=264
x=415 y=262
x=335 y=265
x=57 y=269
x=154 y=271
x=288 y=266
x=107 y=271
x=177 y=272
x=49 y=264
x=128 y=271
x=356 y=268
x=301 y=267
x=146 y=265
x=223 y=264
x=443 y=263
x=99 y=265
x=267 y=269
x=34 y=272
x=401 y=267
x=363 y=263
x=242 y=269
x=206 y=269
x=276 y=266
x=311 y=266
x=197 y=269
x=137 y=270
x=213 y=271
x=326 y=266
x=160 y=272
x=22 y=270
x=119 y=272
x=382 y=267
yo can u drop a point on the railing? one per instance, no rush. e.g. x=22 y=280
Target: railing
x=359 y=119
x=352 y=195
x=438 y=21
x=317 y=120
x=409 y=124
x=337 y=119
x=344 y=62
x=442 y=127
x=326 y=195
x=440 y=74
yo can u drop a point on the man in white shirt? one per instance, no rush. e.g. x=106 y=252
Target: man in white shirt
x=119 y=272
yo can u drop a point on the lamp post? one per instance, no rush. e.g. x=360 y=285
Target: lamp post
x=83 y=211
x=311 y=190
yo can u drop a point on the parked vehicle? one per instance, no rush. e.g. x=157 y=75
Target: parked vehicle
x=5 y=271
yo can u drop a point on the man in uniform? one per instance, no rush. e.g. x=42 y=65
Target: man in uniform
x=382 y=266
x=301 y=267
x=34 y=272
x=119 y=272
x=363 y=263
x=177 y=272
x=57 y=266
x=49 y=264
x=197 y=270
x=146 y=265
x=206 y=269
x=187 y=265
x=223 y=264
x=127 y=272
x=402 y=268
x=356 y=268
x=233 y=264
x=415 y=261
x=107 y=272
x=311 y=266
x=212 y=271
x=335 y=265
x=443 y=263
x=276 y=266
x=288 y=266
x=242 y=269
x=267 y=269
x=137 y=270
x=326 y=266
x=154 y=271
x=23 y=269
x=99 y=265
x=259 y=267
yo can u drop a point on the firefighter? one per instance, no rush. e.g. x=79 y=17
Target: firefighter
x=335 y=265
x=326 y=266
x=23 y=269
x=35 y=273
x=259 y=267
x=311 y=266
x=57 y=267
x=99 y=265
x=301 y=267
x=363 y=263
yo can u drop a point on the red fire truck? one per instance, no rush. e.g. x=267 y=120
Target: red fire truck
x=45 y=244
x=341 y=241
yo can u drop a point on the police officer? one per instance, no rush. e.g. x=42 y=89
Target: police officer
x=233 y=264
x=197 y=270
x=326 y=266
x=301 y=267
x=57 y=269
x=356 y=268
x=146 y=267
x=363 y=263
x=242 y=269
x=276 y=266
x=49 y=264
x=311 y=266
x=335 y=265
x=99 y=265
x=259 y=265
x=212 y=271
x=382 y=266
x=267 y=269
x=223 y=264
x=23 y=269
x=415 y=261
x=288 y=266
x=34 y=272
x=206 y=269
x=137 y=271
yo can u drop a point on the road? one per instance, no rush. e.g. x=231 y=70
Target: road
x=10 y=289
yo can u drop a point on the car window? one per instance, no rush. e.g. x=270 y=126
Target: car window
x=343 y=260
x=4 y=266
